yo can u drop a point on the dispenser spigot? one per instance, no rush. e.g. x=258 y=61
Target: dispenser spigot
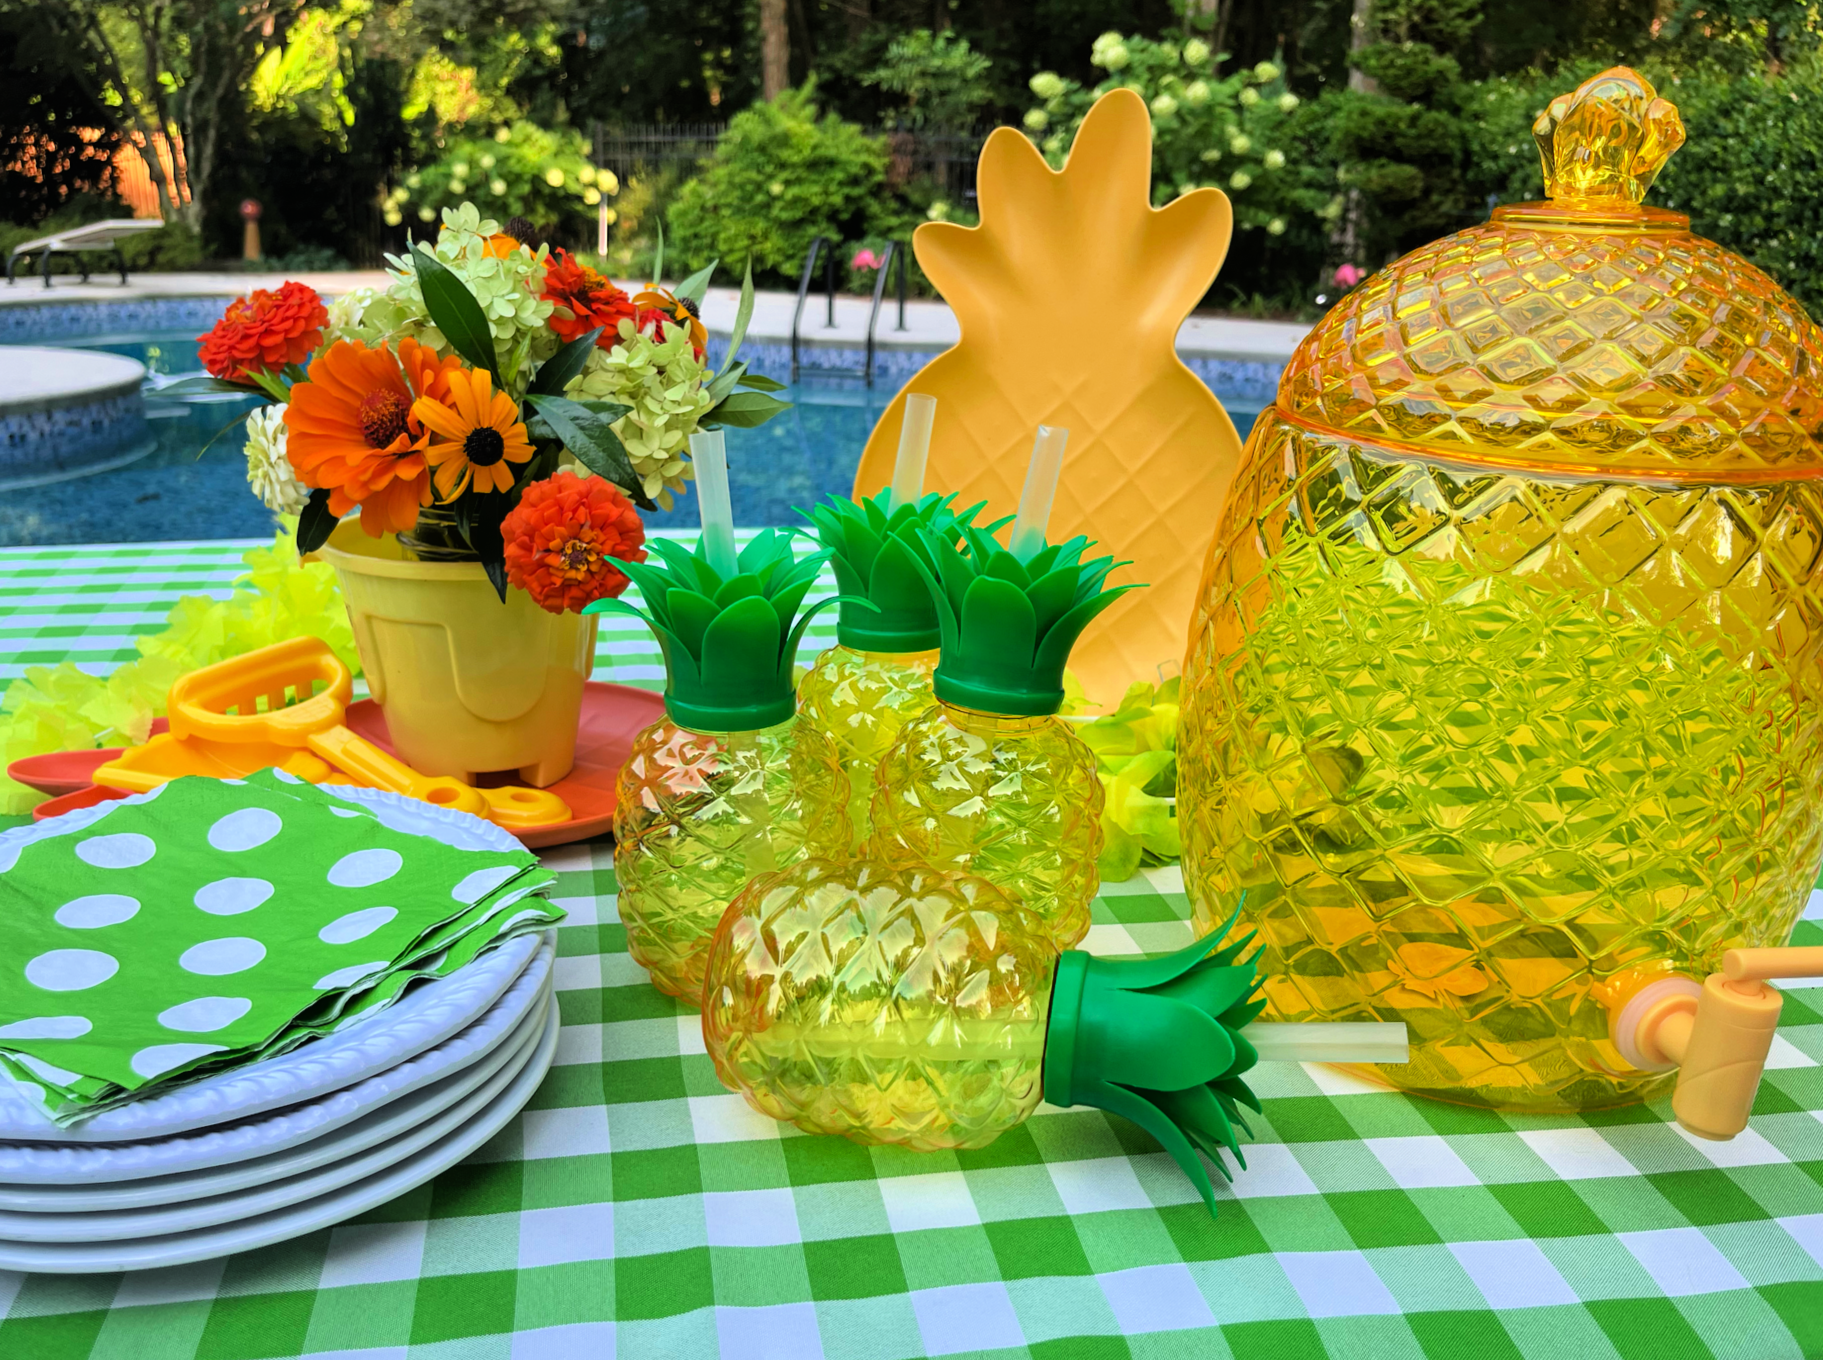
x=1717 y=1034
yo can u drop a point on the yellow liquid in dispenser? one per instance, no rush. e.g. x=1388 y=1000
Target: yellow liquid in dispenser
x=1505 y=675
x=1464 y=781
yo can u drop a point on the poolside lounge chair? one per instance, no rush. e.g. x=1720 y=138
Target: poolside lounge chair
x=78 y=240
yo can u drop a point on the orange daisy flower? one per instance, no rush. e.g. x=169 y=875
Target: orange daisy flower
x=478 y=435
x=656 y=303
x=350 y=432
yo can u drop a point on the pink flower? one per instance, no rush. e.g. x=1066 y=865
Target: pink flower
x=1348 y=275
x=865 y=259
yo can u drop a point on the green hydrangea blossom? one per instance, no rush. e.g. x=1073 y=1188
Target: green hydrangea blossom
x=506 y=287
x=664 y=382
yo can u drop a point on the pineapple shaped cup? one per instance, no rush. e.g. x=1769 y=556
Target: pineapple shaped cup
x=729 y=785
x=899 y=1004
x=877 y=677
x=989 y=779
x=1069 y=296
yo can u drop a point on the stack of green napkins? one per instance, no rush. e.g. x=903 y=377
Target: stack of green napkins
x=220 y=923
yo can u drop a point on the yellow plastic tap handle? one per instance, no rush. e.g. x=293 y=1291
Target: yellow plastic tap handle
x=1718 y=1036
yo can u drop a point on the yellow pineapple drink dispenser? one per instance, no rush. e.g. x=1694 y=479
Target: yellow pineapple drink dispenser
x=1501 y=699
x=877 y=677
x=729 y=784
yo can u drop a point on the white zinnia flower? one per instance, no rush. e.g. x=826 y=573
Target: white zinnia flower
x=269 y=471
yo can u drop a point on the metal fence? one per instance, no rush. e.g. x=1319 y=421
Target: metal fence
x=945 y=158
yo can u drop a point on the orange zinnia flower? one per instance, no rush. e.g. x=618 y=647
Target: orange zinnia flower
x=478 y=432
x=590 y=299
x=350 y=431
x=564 y=538
x=656 y=303
x=264 y=331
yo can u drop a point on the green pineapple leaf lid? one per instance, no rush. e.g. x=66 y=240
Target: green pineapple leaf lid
x=886 y=606
x=730 y=643
x=1007 y=623
x=1158 y=1041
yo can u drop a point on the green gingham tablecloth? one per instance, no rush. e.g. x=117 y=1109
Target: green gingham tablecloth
x=637 y=1209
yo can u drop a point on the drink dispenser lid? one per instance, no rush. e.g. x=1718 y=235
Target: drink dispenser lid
x=1590 y=332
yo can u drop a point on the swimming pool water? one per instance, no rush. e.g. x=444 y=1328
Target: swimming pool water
x=194 y=485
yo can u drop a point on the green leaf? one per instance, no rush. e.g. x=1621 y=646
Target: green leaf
x=566 y=363
x=722 y=385
x=697 y=284
x=315 y=524
x=742 y=315
x=454 y=311
x=658 y=254
x=759 y=382
x=202 y=385
x=744 y=410
x=590 y=436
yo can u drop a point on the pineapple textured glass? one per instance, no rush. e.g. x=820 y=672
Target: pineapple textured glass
x=888 y=1004
x=1015 y=800
x=698 y=815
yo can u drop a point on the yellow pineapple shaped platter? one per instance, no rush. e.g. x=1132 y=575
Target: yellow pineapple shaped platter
x=1069 y=296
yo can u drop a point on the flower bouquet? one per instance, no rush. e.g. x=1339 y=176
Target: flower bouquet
x=494 y=403
x=497 y=416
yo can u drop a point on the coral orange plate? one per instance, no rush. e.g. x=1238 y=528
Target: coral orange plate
x=612 y=716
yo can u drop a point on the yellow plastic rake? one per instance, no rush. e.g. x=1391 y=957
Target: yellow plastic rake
x=284 y=706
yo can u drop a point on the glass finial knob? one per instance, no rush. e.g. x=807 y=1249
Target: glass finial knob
x=1607 y=141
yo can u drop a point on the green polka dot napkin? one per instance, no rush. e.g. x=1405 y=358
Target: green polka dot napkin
x=218 y=923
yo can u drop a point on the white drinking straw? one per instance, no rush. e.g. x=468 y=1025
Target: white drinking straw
x=1355 y=1041
x=914 y=450
x=710 y=455
x=1040 y=489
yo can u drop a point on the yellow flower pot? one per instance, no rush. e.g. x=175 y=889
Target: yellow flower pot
x=468 y=685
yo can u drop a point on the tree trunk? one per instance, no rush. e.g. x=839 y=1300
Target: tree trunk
x=1361 y=37
x=775 y=49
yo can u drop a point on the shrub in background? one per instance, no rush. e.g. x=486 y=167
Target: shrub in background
x=781 y=177
x=942 y=81
x=522 y=170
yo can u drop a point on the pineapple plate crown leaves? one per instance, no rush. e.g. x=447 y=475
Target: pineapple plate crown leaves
x=1007 y=624
x=730 y=643
x=1158 y=1042
x=886 y=605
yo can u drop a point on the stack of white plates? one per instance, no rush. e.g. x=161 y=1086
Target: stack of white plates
x=310 y=1138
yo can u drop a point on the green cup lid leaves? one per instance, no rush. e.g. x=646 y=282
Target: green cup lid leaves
x=731 y=643
x=1158 y=1041
x=886 y=605
x=1007 y=626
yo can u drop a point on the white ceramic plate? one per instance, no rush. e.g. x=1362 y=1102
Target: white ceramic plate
x=423 y=1018
x=388 y=1121
x=78 y=1258
x=70 y=1164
